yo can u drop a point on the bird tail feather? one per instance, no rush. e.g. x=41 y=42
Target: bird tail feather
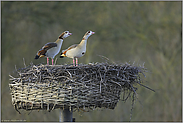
x=36 y=57
x=62 y=55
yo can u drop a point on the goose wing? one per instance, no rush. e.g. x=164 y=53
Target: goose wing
x=69 y=48
x=45 y=48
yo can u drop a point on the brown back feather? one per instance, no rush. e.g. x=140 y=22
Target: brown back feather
x=45 y=48
x=49 y=45
x=41 y=52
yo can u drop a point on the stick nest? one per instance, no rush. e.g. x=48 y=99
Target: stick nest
x=83 y=87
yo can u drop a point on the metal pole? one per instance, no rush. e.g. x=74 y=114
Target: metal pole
x=66 y=115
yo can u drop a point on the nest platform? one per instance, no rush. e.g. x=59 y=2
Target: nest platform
x=83 y=87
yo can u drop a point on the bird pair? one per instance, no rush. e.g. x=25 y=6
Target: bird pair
x=51 y=49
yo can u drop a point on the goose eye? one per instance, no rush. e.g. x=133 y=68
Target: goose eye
x=88 y=31
x=66 y=32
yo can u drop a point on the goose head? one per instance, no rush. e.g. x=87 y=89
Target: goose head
x=65 y=35
x=88 y=34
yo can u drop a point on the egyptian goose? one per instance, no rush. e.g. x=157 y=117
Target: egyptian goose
x=77 y=50
x=51 y=49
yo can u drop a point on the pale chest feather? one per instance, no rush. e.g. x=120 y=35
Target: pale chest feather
x=76 y=52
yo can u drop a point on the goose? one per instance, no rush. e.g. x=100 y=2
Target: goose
x=51 y=49
x=77 y=50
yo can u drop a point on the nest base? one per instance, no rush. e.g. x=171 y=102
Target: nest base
x=85 y=87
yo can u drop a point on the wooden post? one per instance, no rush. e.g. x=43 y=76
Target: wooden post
x=66 y=115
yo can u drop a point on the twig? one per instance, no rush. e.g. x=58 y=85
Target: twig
x=115 y=82
x=15 y=106
x=146 y=87
x=55 y=61
x=24 y=62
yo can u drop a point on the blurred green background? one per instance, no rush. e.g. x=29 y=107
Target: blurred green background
x=140 y=32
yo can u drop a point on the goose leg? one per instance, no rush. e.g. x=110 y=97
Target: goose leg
x=76 y=61
x=47 y=61
x=73 y=62
x=52 y=61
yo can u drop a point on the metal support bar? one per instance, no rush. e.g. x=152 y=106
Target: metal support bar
x=66 y=115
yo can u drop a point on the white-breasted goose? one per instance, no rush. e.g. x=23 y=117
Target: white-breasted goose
x=77 y=50
x=51 y=49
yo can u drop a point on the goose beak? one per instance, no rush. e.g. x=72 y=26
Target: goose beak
x=70 y=33
x=93 y=32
